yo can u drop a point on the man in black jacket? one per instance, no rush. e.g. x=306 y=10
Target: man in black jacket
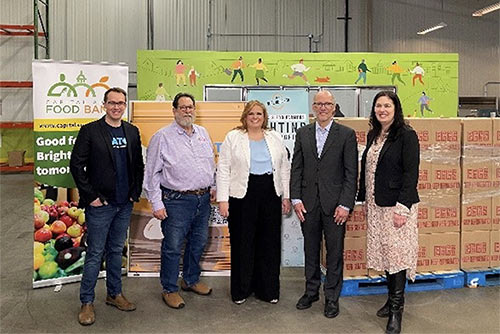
x=323 y=188
x=108 y=169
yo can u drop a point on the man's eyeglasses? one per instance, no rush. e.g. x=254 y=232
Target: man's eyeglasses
x=120 y=104
x=185 y=108
x=323 y=104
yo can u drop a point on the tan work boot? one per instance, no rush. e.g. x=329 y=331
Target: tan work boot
x=173 y=299
x=199 y=288
x=86 y=316
x=120 y=302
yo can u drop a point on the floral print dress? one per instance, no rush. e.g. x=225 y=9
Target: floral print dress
x=388 y=248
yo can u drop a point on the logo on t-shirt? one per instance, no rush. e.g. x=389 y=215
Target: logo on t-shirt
x=119 y=142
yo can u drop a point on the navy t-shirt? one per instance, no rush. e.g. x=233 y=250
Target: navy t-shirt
x=119 y=144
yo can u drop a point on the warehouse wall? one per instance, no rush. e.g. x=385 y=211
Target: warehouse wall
x=113 y=30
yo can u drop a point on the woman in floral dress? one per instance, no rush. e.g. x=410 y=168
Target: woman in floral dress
x=388 y=185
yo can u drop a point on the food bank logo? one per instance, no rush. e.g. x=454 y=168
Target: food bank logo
x=63 y=88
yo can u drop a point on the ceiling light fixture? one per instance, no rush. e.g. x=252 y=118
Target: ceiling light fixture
x=436 y=27
x=440 y=25
x=487 y=9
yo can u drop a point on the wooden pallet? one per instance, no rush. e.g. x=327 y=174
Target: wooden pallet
x=482 y=277
x=358 y=286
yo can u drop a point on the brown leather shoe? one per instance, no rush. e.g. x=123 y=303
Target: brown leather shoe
x=86 y=316
x=173 y=299
x=120 y=302
x=199 y=288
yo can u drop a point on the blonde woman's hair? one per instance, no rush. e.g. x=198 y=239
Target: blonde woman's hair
x=249 y=106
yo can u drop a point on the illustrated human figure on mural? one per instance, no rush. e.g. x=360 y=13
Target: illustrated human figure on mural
x=180 y=68
x=259 y=71
x=237 y=67
x=418 y=72
x=424 y=101
x=192 y=76
x=161 y=93
x=362 y=69
x=298 y=71
x=396 y=72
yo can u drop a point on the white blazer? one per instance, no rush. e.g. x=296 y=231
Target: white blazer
x=234 y=165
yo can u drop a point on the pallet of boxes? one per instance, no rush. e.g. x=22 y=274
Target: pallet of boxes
x=439 y=191
x=480 y=234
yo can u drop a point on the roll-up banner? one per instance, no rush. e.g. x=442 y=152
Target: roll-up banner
x=66 y=95
x=288 y=110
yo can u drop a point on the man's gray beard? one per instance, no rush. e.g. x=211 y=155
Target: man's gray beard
x=185 y=121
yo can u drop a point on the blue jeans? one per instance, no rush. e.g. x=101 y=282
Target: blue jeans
x=106 y=233
x=187 y=220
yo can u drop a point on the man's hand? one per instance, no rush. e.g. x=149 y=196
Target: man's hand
x=285 y=206
x=160 y=214
x=340 y=216
x=300 y=210
x=97 y=202
x=213 y=195
x=224 y=209
x=399 y=220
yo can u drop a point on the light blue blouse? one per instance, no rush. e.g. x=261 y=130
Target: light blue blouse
x=260 y=158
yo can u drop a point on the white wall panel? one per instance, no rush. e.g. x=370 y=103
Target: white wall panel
x=112 y=30
x=96 y=30
x=476 y=40
x=16 y=53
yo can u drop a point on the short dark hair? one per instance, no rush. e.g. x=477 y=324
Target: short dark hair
x=175 y=103
x=397 y=124
x=116 y=90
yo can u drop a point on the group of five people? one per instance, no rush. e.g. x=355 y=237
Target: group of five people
x=254 y=185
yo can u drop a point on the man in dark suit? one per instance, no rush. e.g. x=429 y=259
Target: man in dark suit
x=323 y=188
x=108 y=169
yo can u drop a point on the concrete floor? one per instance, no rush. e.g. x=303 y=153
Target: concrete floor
x=24 y=310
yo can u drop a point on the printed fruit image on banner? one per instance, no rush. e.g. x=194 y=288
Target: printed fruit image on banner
x=59 y=239
x=60 y=234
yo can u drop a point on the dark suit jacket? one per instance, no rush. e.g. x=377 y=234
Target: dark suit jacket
x=330 y=178
x=396 y=175
x=92 y=162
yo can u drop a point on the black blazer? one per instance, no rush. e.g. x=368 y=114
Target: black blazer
x=92 y=162
x=396 y=176
x=331 y=177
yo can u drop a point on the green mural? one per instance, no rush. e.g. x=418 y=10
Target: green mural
x=427 y=83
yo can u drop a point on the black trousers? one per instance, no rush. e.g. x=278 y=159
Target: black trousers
x=255 y=235
x=316 y=223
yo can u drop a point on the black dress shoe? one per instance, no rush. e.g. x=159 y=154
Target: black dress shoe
x=331 y=308
x=306 y=301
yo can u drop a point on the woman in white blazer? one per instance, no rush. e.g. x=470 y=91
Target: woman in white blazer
x=253 y=177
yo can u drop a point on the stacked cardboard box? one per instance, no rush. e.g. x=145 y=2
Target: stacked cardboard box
x=479 y=193
x=439 y=192
x=355 y=240
x=354 y=244
x=459 y=188
x=495 y=200
x=438 y=251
